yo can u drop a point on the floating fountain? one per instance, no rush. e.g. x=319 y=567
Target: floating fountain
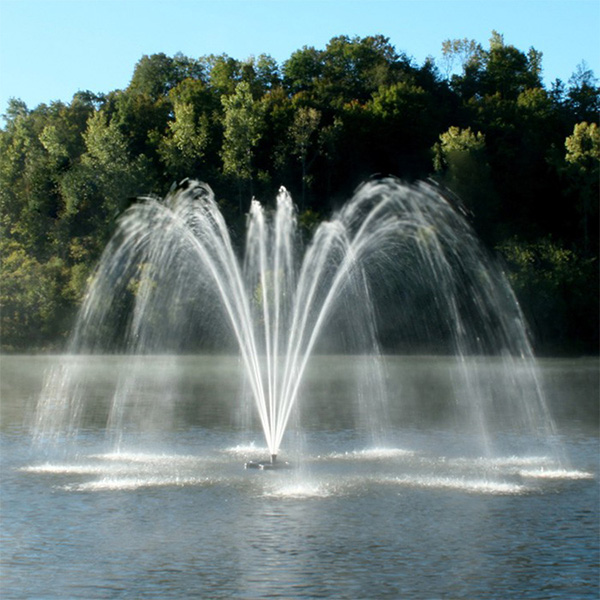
x=399 y=259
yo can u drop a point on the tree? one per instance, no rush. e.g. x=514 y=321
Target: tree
x=182 y=148
x=268 y=74
x=356 y=67
x=30 y=308
x=583 y=95
x=243 y=124
x=582 y=168
x=155 y=75
x=98 y=189
x=223 y=73
x=304 y=126
x=29 y=203
x=463 y=51
x=558 y=292
x=273 y=159
x=62 y=136
x=460 y=162
x=261 y=73
x=454 y=145
x=348 y=69
x=138 y=116
x=508 y=70
x=502 y=69
x=400 y=129
x=191 y=141
x=302 y=70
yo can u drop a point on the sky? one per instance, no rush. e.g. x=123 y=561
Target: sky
x=50 y=49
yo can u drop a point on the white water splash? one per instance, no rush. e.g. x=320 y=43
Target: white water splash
x=475 y=486
x=556 y=473
x=301 y=489
x=369 y=454
x=115 y=484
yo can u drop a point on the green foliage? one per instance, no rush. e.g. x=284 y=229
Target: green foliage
x=464 y=51
x=582 y=170
x=182 y=148
x=28 y=199
x=223 y=73
x=302 y=132
x=303 y=70
x=502 y=69
x=461 y=164
x=354 y=68
x=455 y=147
x=243 y=123
x=558 y=292
x=31 y=311
x=523 y=160
x=155 y=75
x=98 y=188
x=583 y=149
x=583 y=98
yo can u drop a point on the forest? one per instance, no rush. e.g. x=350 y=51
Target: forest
x=523 y=158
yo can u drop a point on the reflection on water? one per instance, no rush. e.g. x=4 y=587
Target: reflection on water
x=171 y=513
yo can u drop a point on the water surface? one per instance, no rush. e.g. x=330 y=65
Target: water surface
x=168 y=511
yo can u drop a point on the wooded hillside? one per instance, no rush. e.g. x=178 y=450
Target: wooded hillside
x=523 y=158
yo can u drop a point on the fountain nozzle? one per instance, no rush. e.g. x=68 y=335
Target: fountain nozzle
x=267 y=465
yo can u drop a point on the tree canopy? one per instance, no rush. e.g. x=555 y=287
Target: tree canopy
x=524 y=159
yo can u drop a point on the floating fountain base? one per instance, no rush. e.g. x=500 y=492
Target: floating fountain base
x=267 y=465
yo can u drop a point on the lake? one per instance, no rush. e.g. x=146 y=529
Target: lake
x=422 y=510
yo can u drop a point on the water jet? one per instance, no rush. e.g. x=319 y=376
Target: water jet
x=397 y=262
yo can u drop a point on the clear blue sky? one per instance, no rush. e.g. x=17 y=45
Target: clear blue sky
x=49 y=49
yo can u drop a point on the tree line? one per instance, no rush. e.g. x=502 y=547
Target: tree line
x=523 y=158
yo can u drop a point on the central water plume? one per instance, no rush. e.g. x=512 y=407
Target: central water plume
x=396 y=259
